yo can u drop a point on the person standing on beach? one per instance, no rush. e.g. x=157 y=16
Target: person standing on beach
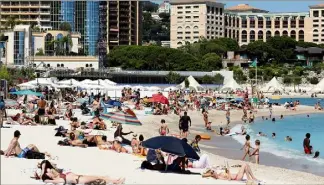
x=41 y=106
x=2 y=111
x=205 y=115
x=228 y=116
x=306 y=144
x=164 y=130
x=256 y=151
x=246 y=147
x=184 y=121
x=270 y=110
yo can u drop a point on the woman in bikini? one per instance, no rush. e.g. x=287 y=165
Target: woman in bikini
x=51 y=175
x=246 y=147
x=205 y=115
x=245 y=170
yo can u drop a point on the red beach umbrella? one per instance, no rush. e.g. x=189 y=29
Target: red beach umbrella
x=159 y=98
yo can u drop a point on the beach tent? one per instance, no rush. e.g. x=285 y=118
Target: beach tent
x=110 y=82
x=154 y=88
x=273 y=85
x=318 y=87
x=193 y=84
x=70 y=82
x=89 y=82
x=231 y=85
x=41 y=82
x=27 y=85
x=171 y=88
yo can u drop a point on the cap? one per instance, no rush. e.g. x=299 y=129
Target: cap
x=17 y=133
x=119 y=139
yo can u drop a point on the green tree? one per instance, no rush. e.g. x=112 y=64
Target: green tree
x=211 y=61
x=12 y=21
x=298 y=71
x=287 y=80
x=206 y=79
x=187 y=83
x=259 y=50
x=239 y=75
x=65 y=26
x=218 y=79
x=313 y=80
x=40 y=52
x=4 y=74
x=173 y=77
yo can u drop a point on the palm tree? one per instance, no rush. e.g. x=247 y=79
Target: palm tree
x=63 y=45
x=12 y=22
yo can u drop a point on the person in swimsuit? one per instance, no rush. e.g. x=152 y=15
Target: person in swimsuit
x=164 y=130
x=14 y=148
x=51 y=175
x=256 y=151
x=41 y=106
x=194 y=143
x=228 y=116
x=117 y=145
x=205 y=115
x=87 y=141
x=306 y=144
x=244 y=170
x=246 y=147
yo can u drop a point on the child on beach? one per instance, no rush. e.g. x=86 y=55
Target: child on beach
x=164 y=130
x=256 y=151
x=246 y=147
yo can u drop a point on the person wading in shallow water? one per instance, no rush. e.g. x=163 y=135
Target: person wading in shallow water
x=306 y=144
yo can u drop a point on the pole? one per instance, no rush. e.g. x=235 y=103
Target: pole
x=256 y=72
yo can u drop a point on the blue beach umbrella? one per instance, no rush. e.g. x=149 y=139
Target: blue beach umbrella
x=171 y=145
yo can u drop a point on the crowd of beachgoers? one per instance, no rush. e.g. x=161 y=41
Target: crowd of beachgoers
x=53 y=106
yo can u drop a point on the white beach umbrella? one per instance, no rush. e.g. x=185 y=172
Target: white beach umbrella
x=70 y=82
x=87 y=81
x=110 y=82
x=27 y=85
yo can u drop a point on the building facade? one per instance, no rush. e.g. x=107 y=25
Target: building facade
x=30 y=12
x=164 y=7
x=243 y=23
x=120 y=20
x=193 y=19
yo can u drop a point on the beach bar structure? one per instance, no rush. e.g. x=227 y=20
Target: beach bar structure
x=309 y=56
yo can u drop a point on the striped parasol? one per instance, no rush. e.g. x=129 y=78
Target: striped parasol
x=123 y=117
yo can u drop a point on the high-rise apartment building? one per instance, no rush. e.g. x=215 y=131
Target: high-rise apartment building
x=29 y=12
x=102 y=24
x=192 y=19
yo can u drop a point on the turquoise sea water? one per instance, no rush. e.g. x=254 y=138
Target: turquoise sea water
x=303 y=101
x=294 y=126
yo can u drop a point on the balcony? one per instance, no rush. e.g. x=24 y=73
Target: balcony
x=124 y=28
x=124 y=33
x=124 y=10
x=113 y=9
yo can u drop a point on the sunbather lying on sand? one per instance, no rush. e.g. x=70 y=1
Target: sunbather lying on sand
x=117 y=146
x=14 y=148
x=87 y=141
x=245 y=170
x=99 y=123
x=50 y=174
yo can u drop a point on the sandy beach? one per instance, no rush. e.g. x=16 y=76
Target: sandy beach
x=92 y=161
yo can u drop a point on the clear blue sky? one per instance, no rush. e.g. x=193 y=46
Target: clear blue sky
x=272 y=6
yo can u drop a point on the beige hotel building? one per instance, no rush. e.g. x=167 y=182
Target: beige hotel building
x=192 y=19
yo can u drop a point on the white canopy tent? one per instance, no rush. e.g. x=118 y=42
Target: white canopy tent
x=27 y=85
x=110 y=82
x=231 y=85
x=273 y=85
x=193 y=84
x=70 y=82
x=318 y=87
x=153 y=88
x=171 y=88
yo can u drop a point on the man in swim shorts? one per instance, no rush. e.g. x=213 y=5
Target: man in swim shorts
x=15 y=149
x=306 y=144
x=184 y=121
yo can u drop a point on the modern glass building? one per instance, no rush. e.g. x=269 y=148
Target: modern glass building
x=19 y=47
x=92 y=27
x=67 y=12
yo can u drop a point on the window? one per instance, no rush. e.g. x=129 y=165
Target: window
x=196 y=32
x=315 y=35
x=188 y=11
x=277 y=33
x=244 y=36
x=322 y=13
x=316 y=20
x=180 y=17
x=62 y=65
x=216 y=11
x=87 y=65
x=301 y=35
x=293 y=34
x=180 y=32
x=315 y=13
x=188 y=32
x=48 y=65
x=180 y=7
x=180 y=12
x=179 y=28
x=315 y=25
x=315 y=40
x=179 y=37
x=220 y=11
x=57 y=65
x=188 y=17
x=252 y=36
x=188 y=7
x=285 y=33
x=188 y=37
x=90 y=65
x=196 y=7
x=196 y=37
x=179 y=43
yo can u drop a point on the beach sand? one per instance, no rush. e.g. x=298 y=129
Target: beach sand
x=92 y=161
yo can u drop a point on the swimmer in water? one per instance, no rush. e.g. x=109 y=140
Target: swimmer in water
x=317 y=153
x=262 y=134
x=281 y=117
x=273 y=135
x=288 y=138
x=273 y=119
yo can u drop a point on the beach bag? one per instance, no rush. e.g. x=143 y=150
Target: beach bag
x=35 y=155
